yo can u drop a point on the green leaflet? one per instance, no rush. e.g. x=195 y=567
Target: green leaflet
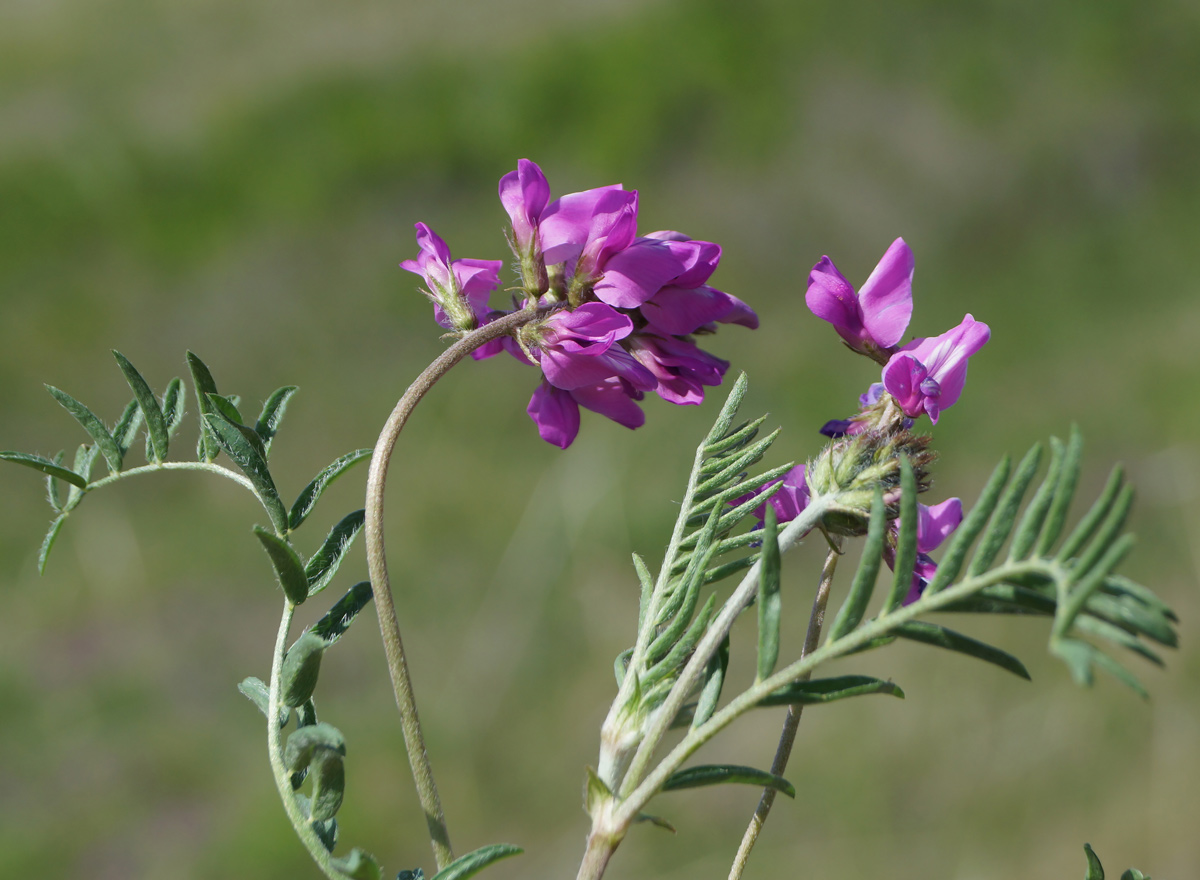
x=906 y=540
x=359 y=865
x=247 y=455
x=301 y=668
x=300 y=745
x=202 y=381
x=325 y=562
x=1064 y=491
x=969 y=530
x=1002 y=520
x=770 y=602
x=173 y=405
x=156 y=424
x=255 y=690
x=719 y=774
x=289 y=569
x=272 y=414
x=46 y=466
x=48 y=542
x=827 y=690
x=311 y=493
x=342 y=614
x=855 y=604
x=941 y=637
x=108 y=447
x=474 y=862
x=128 y=425
x=328 y=773
x=714 y=679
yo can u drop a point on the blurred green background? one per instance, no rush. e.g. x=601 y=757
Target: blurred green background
x=241 y=178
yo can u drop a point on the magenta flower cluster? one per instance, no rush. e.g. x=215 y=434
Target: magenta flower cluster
x=622 y=308
x=925 y=376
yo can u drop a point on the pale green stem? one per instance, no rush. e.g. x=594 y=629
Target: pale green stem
x=710 y=642
x=206 y=466
x=283 y=777
x=389 y=624
x=633 y=803
x=791 y=723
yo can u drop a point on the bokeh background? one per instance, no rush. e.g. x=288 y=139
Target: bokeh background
x=241 y=178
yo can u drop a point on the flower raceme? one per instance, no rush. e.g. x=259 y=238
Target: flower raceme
x=925 y=376
x=622 y=308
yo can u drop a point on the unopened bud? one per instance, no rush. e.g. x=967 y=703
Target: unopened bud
x=301 y=668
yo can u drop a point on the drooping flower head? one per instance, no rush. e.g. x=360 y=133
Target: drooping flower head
x=617 y=312
x=873 y=320
x=459 y=288
x=927 y=375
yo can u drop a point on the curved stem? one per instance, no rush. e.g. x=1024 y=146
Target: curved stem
x=283 y=778
x=389 y=625
x=791 y=723
x=206 y=466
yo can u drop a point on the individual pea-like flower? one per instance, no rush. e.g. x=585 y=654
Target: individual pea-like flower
x=873 y=320
x=555 y=411
x=580 y=348
x=789 y=499
x=681 y=370
x=935 y=524
x=927 y=375
x=524 y=193
x=459 y=289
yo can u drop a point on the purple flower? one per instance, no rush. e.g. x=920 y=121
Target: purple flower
x=789 y=500
x=556 y=411
x=579 y=347
x=934 y=525
x=928 y=375
x=584 y=229
x=678 y=366
x=524 y=194
x=678 y=311
x=639 y=271
x=874 y=320
x=459 y=288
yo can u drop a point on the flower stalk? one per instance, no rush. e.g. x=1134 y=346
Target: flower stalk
x=791 y=723
x=385 y=606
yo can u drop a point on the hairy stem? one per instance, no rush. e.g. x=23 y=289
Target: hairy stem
x=389 y=625
x=708 y=645
x=205 y=466
x=791 y=723
x=283 y=777
x=600 y=848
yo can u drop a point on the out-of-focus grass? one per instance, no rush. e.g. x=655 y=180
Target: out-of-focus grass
x=241 y=179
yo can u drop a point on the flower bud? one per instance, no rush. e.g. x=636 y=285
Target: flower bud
x=301 y=667
x=851 y=468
